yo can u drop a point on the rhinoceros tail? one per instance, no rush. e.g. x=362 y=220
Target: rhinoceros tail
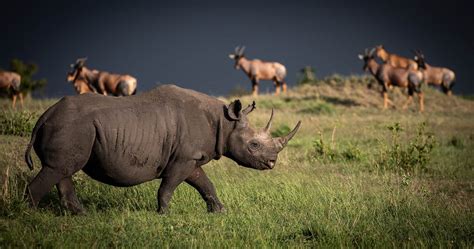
x=28 y=160
x=38 y=125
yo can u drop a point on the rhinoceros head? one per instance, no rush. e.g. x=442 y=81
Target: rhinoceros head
x=253 y=148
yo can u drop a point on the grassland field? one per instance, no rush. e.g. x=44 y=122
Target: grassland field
x=353 y=176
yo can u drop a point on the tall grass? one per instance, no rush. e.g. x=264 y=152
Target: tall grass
x=17 y=123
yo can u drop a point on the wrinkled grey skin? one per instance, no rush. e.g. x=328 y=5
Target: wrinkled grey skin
x=166 y=133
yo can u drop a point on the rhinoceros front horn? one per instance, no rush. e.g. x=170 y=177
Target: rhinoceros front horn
x=282 y=141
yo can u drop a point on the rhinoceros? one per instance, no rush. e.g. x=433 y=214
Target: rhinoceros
x=168 y=133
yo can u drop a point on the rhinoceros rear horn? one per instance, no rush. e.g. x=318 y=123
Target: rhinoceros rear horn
x=269 y=124
x=283 y=141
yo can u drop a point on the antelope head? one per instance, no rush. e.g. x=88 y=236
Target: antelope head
x=237 y=55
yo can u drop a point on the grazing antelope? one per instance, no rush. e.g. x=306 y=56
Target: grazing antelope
x=437 y=76
x=86 y=80
x=11 y=80
x=387 y=75
x=82 y=86
x=395 y=60
x=258 y=70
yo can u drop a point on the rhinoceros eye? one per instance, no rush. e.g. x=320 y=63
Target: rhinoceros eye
x=254 y=145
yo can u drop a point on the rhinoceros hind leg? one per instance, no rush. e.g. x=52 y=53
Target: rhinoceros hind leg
x=68 y=196
x=199 y=180
x=42 y=184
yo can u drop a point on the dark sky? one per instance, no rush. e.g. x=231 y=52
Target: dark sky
x=187 y=43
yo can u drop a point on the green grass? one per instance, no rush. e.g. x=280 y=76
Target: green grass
x=349 y=199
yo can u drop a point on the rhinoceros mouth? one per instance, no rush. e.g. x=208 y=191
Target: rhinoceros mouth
x=269 y=164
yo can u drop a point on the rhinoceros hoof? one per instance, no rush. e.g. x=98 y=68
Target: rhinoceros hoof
x=216 y=208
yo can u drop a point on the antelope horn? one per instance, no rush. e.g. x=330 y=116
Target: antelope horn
x=236 y=50
x=420 y=53
x=372 y=52
x=269 y=124
x=81 y=59
x=241 y=51
x=366 y=52
x=282 y=141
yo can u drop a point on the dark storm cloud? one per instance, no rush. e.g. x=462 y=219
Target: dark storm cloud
x=187 y=42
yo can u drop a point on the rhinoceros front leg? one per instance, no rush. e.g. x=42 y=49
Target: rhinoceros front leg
x=174 y=176
x=199 y=180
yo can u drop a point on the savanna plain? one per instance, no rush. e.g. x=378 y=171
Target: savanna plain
x=353 y=176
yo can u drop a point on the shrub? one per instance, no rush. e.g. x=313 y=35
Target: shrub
x=407 y=157
x=17 y=123
x=306 y=75
x=323 y=150
x=352 y=153
x=328 y=151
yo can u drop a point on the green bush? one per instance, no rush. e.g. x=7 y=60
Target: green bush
x=407 y=157
x=17 y=123
x=352 y=153
x=323 y=150
x=327 y=150
x=307 y=75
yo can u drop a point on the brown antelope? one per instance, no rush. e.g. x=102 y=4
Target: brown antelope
x=437 y=76
x=258 y=70
x=395 y=60
x=11 y=80
x=86 y=80
x=82 y=86
x=388 y=75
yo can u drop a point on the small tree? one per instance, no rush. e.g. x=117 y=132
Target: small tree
x=27 y=70
x=306 y=75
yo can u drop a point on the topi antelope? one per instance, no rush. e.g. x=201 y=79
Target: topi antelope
x=387 y=75
x=82 y=86
x=437 y=76
x=395 y=60
x=11 y=80
x=258 y=70
x=86 y=80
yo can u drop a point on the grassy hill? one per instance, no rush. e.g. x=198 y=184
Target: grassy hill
x=353 y=176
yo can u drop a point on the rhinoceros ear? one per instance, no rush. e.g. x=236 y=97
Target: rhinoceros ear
x=234 y=110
